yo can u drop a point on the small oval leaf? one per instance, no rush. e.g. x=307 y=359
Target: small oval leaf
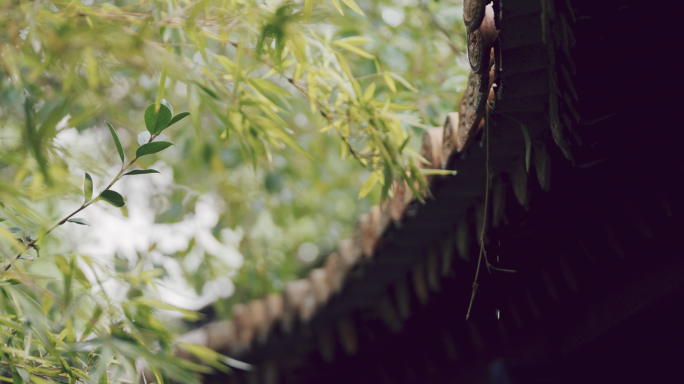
x=15 y=229
x=113 y=198
x=157 y=121
x=88 y=187
x=117 y=142
x=78 y=220
x=140 y=172
x=153 y=147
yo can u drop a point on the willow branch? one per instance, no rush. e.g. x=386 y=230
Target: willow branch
x=82 y=207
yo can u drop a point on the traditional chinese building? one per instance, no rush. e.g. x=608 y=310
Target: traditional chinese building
x=584 y=203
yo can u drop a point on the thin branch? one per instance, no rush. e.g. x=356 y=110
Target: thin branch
x=82 y=207
x=484 y=221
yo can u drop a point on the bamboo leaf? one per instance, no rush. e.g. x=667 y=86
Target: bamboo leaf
x=178 y=118
x=153 y=147
x=88 y=187
x=338 y=7
x=140 y=172
x=78 y=220
x=368 y=185
x=389 y=81
x=308 y=7
x=437 y=172
x=354 y=49
x=528 y=146
x=355 y=7
x=112 y=197
x=116 y=142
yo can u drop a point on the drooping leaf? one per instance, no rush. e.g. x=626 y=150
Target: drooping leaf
x=113 y=198
x=308 y=7
x=338 y=7
x=117 y=142
x=437 y=172
x=354 y=49
x=528 y=146
x=389 y=81
x=355 y=7
x=178 y=118
x=157 y=121
x=78 y=220
x=153 y=147
x=368 y=185
x=140 y=172
x=88 y=187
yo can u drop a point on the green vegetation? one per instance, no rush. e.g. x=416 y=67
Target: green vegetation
x=294 y=110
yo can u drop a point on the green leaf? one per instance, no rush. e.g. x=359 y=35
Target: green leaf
x=390 y=81
x=88 y=187
x=157 y=121
x=140 y=172
x=368 y=185
x=437 y=172
x=15 y=229
x=352 y=4
x=308 y=7
x=113 y=198
x=24 y=375
x=528 y=146
x=78 y=220
x=354 y=49
x=178 y=118
x=117 y=142
x=337 y=6
x=153 y=147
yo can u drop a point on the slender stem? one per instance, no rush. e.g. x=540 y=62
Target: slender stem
x=82 y=207
x=484 y=219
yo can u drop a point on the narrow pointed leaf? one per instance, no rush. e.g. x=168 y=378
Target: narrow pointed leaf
x=308 y=7
x=117 y=142
x=157 y=121
x=153 y=147
x=352 y=4
x=368 y=185
x=140 y=172
x=78 y=220
x=389 y=81
x=113 y=198
x=177 y=118
x=337 y=6
x=528 y=146
x=88 y=187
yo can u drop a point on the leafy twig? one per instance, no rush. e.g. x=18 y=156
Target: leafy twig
x=82 y=207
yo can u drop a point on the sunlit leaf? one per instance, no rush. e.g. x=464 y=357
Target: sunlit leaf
x=352 y=4
x=389 y=81
x=368 y=185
